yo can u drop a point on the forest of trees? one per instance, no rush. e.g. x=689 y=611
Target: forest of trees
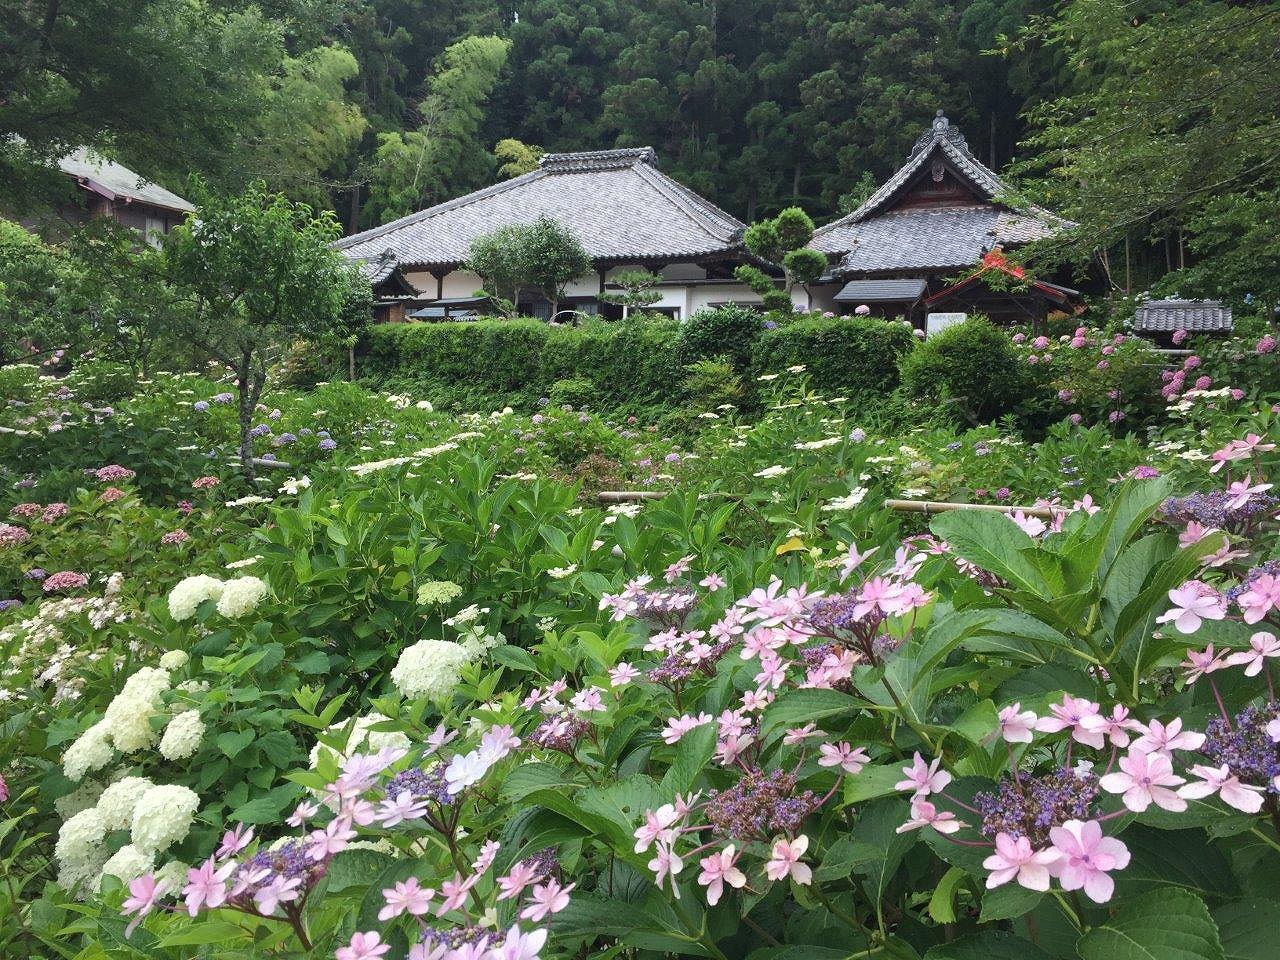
x=1152 y=122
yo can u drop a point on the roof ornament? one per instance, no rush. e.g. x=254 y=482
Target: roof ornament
x=940 y=129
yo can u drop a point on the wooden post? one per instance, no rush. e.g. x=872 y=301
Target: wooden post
x=900 y=506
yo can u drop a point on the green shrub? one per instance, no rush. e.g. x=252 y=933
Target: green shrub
x=712 y=382
x=18 y=381
x=576 y=392
x=730 y=332
x=974 y=366
x=101 y=382
x=842 y=355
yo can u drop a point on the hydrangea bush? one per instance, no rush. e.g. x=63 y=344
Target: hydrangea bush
x=422 y=700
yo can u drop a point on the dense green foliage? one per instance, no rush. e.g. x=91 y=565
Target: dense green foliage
x=1163 y=144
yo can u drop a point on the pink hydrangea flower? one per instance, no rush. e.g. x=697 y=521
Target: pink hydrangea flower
x=1078 y=715
x=1193 y=603
x=144 y=892
x=407 y=897
x=1262 y=646
x=720 y=869
x=1087 y=857
x=363 y=946
x=1016 y=724
x=1144 y=779
x=843 y=755
x=923 y=778
x=925 y=814
x=1015 y=858
x=546 y=900
x=1220 y=780
x=784 y=861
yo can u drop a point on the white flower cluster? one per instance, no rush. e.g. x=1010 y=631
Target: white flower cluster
x=183 y=736
x=190 y=592
x=429 y=668
x=235 y=598
x=155 y=816
x=39 y=640
x=241 y=596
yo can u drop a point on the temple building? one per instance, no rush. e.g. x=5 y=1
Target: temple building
x=625 y=212
x=927 y=239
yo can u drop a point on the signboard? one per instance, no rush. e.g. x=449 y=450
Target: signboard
x=940 y=321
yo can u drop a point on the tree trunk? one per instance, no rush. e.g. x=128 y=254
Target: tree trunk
x=351 y=364
x=251 y=383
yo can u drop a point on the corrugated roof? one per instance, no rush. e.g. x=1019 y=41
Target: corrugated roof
x=114 y=181
x=616 y=201
x=881 y=291
x=1157 y=316
x=877 y=238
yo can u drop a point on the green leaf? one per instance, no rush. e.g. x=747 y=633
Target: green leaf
x=1008 y=901
x=204 y=931
x=1166 y=924
x=1161 y=859
x=994 y=543
x=353 y=868
x=871 y=782
x=693 y=753
x=988 y=945
x=799 y=707
x=1249 y=929
x=942 y=905
x=515 y=658
x=233 y=742
x=266 y=808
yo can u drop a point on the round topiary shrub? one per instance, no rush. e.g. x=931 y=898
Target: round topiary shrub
x=974 y=366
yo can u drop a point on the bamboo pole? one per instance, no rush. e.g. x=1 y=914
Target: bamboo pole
x=942 y=506
x=901 y=506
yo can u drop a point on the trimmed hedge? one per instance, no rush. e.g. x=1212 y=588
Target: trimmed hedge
x=849 y=356
x=628 y=365
x=473 y=364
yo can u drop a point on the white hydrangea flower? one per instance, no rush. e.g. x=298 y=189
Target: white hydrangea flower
x=129 y=863
x=360 y=737
x=183 y=735
x=241 y=596
x=163 y=816
x=172 y=874
x=83 y=797
x=190 y=593
x=174 y=660
x=79 y=836
x=79 y=878
x=119 y=800
x=429 y=668
x=128 y=716
x=90 y=751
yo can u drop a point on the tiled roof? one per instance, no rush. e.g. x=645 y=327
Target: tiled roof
x=114 y=181
x=876 y=237
x=616 y=201
x=881 y=291
x=1168 y=315
x=931 y=238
